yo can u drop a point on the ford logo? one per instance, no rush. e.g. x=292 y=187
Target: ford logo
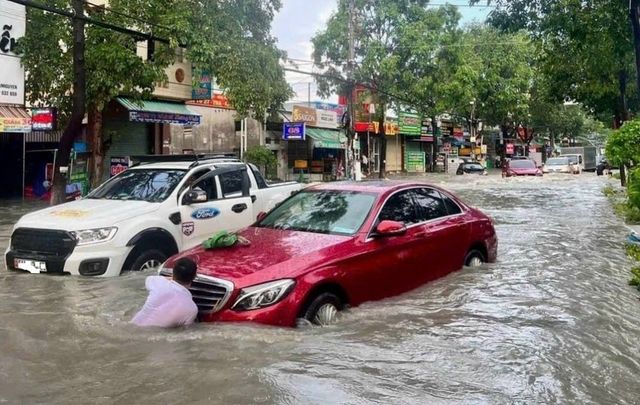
x=205 y=213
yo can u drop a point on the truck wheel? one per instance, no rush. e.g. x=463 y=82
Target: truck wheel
x=147 y=260
x=323 y=310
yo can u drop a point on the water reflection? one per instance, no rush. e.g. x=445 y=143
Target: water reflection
x=552 y=322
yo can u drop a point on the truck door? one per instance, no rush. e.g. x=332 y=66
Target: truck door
x=227 y=205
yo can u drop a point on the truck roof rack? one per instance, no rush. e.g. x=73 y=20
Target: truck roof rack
x=195 y=158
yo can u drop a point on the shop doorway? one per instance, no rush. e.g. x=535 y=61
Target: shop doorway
x=11 y=164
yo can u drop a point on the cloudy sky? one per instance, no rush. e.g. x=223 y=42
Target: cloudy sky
x=299 y=20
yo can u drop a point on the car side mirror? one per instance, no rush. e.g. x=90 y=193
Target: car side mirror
x=261 y=216
x=390 y=228
x=195 y=196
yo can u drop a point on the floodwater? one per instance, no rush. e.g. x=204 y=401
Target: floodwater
x=553 y=321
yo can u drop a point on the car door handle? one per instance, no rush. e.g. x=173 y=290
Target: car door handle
x=238 y=208
x=253 y=198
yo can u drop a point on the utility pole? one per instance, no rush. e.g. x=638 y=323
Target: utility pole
x=74 y=126
x=350 y=87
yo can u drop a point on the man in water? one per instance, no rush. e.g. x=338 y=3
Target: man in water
x=169 y=303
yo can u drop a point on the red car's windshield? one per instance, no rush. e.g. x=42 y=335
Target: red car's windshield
x=522 y=164
x=325 y=211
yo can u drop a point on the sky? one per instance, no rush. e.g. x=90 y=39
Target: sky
x=298 y=21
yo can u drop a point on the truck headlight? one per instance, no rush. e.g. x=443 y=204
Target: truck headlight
x=88 y=236
x=263 y=295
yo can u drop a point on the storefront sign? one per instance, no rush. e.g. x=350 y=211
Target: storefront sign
x=414 y=161
x=201 y=89
x=118 y=164
x=315 y=118
x=409 y=123
x=12 y=24
x=391 y=128
x=163 y=118
x=15 y=124
x=43 y=119
x=293 y=131
x=509 y=149
x=216 y=101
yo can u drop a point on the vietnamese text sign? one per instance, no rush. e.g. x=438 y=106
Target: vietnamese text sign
x=409 y=123
x=118 y=164
x=201 y=89
x=315 y=118
x=15 y=124
x=43 y=119
x=12 y=23
x=292 y=131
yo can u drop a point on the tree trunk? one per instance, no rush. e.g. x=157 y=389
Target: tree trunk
x=624 y=115
x=634 y=15
x=97 y=148
x=74 y=126
x=383 y=142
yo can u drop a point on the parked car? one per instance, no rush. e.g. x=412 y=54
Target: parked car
x=471 y=168
x=336 y=245
x=521 y=167
x=560 y=165
x=137 y=219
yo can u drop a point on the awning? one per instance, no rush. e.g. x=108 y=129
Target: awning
x=160 y=112
x=327 y=138
x=14 y=119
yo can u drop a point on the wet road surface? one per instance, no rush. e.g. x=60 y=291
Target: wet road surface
x=553 y=321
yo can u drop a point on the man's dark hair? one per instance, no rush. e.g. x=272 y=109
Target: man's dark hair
x=184 y=270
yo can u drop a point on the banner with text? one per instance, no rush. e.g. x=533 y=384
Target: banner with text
x=12 y=22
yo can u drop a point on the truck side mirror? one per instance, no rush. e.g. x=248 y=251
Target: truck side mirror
x=194 y=196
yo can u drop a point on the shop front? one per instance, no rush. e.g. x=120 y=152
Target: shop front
x=15 y=123
x=141 y=127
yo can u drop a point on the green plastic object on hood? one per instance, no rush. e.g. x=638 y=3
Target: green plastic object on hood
x=224 y=239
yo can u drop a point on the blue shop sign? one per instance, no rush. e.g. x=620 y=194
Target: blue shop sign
x=163 y=118
x=293 y=131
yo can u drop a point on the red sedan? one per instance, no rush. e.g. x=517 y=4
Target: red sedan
x=337 y=245
x=521 y=167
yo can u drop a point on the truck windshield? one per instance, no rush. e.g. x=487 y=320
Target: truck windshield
x=152 y=185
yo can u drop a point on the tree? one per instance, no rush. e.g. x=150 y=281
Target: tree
x=623 y=149
x=384 y=50
x=262 y=157
x=585 y=49
x=229 y=39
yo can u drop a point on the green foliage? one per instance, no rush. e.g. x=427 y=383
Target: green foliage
x=623 y=146
x=230 y=39
x=610 y=191
x=586 y=49
x=264 y=158
x=633 y=252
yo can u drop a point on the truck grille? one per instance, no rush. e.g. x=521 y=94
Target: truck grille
x=209 y=293
x=43 y=242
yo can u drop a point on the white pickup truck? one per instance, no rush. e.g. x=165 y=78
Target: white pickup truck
x=137 y=219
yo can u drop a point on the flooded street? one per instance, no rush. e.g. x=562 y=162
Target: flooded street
x=553 y=321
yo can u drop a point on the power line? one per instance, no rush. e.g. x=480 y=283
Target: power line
x=120 y=13
x=93 y=21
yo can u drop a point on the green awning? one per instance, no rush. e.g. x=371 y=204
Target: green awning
x=327 y=138
x=161 y=112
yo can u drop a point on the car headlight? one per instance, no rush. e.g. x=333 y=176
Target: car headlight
x=88 y=236
x=263 y=295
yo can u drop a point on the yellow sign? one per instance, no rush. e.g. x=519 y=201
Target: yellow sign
x=391 y=128
x=301 y=164
x=1 y=124
x=70 y=213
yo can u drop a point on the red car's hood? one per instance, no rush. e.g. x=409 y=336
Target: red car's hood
x=284 y=253
x=524 y=170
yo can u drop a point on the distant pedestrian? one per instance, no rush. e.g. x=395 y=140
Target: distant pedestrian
x=169 y=303
x=365 y=164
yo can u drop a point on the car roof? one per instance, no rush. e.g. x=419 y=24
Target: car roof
x=186 y=165
x=373 y=186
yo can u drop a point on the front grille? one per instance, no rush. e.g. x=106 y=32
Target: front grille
x=42 y=242
x=209 y=293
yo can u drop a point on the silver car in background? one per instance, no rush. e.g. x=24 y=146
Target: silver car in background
x=560 y=165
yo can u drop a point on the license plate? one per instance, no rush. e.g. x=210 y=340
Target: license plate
x=32 y=266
